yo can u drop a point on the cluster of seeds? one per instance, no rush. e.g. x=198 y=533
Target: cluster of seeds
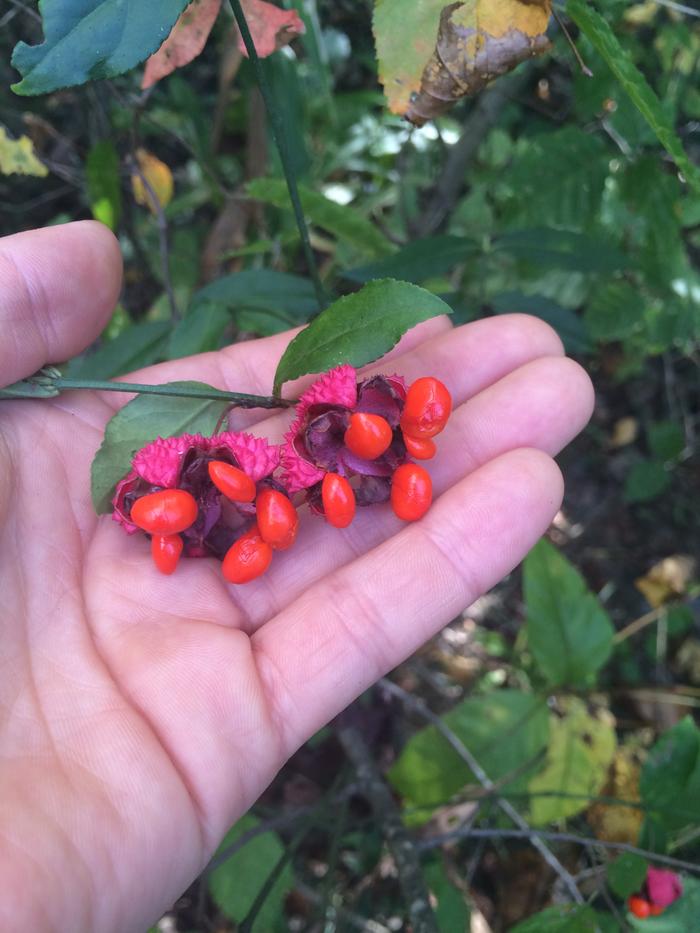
x=353 y=443
x=661 y=888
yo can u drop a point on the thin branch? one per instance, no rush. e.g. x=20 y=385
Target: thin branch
x=482 y=117
x=433 y=842
x=420 y=707
x=577 y=55
x=239 y=399
x=280 y=137
x=26 y=9
x=401 y=845
x=647 y=619
x=678 y=7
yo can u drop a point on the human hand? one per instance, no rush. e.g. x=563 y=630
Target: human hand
x=140 y=715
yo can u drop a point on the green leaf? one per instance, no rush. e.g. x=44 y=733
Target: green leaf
x=419 y=260
x=199 y=331
x=645 y=481
x=289 y=296
x=565 y=322
x=342 y=221
x=615 y=311
x=263 y=322
x=670 y=781
x=571 y=199
x=562 y=249
x=140 y=421
x=580 y=751
x=505 y=731
x=653 y=200
x=104 y=190
x=568 y=631
x=235 y=884
x=567 y=918
x=88 y=40
x=601 y=36
x=666 y=440
x=679 y=917
x=358 y=328
x=452 y=912
x=139 y=345
x=626 y=874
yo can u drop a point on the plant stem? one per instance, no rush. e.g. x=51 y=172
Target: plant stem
x=239 y=399
x=280 y=138
x=426 y=843
x=48 y=383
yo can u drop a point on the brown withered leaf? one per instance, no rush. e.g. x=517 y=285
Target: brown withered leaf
x=186 y=41
x=620 y=821
x=477 y=41
x=270 y=26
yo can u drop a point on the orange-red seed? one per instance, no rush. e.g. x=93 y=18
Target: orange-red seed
x=166 y=512
x=247 y=559
x=421 y=448
x=232 y=482
x=277 y=519
x=638 y=906
x=426 y=410
x=166 y=551
x=368 y=436
x=338 y=500
x=411 y=492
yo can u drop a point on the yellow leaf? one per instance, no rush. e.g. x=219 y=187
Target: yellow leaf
x=624 y=432
x=158 y=178
x=616 y=822
x=581 y=748
x=17 y=157
x=666 y=580
x=641 y=14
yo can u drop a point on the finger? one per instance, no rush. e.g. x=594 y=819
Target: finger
x=58 y=287
x=541 y=405
x=333 y=642
x=477 y=353
x=467 y=359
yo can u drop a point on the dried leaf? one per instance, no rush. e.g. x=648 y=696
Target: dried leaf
x=431 y=53
x=618 y=822
x=270 y=26
x=158 y=178
x=477 y=41
x=185 y=42
x=624 y=432
x=666 y=580
x=17 y=157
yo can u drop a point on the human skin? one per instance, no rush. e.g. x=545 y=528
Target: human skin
x=141 y=715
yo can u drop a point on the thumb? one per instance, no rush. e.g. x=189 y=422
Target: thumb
x=58 y=287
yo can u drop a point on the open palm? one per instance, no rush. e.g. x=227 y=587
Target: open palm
x=140 y=715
